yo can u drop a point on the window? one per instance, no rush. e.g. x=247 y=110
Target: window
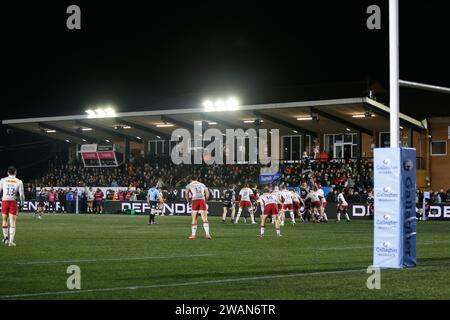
x=292 y=148
x=439 y=148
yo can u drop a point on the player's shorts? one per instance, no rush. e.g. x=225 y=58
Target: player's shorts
x=243 y=204
x=227 y=204
x=199 y=205
x=153 y=204
x=9 y=207
x=287 y=206
x=271 y=209
x=343 y=207
x=324 y=204
x=316 y=204
x=280 y=206
x=98 y=203
x=296 y=205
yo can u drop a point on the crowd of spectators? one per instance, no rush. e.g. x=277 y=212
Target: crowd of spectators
x=355 y=177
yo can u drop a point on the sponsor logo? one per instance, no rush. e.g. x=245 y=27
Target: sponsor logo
x=386 y=162
x=439 y=212
x=408 y=165
x=386 y=249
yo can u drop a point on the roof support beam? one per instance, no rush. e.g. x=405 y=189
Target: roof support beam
x=386 y=115
x=182 y=124
x=67 y=132
x=210 y=116
x=343 y=121
x=284 y=123
x=111 y=132
x=142 y=128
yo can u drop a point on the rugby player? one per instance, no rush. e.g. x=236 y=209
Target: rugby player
x=269 y=202
x=11 y=186
x=229 y=197
x=196 y=195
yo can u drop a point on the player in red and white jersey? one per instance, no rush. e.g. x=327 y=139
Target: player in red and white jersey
x=197 y=193
x=316 y=202
x=276 y=191
x=342 y=206
x=323 y=214
x=269 y=202
x=11 y=187
x=288 y=205
x=245 y=198
x=297 y=203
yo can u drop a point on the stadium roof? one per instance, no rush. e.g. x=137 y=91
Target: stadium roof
x=333 y=116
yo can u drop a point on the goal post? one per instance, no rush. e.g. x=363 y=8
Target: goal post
x=394 y=178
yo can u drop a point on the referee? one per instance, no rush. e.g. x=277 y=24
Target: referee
x=153 y=197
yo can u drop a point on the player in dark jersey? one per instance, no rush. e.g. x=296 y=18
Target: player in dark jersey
x=255 y=202
x=229 y=198
x=370 y=204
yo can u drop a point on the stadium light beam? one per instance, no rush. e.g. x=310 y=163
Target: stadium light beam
x=229 y=104
x=164 y=125
x=107 y=112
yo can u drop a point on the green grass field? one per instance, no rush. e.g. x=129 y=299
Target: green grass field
x=121 y=257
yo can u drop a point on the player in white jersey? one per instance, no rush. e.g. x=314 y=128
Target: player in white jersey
x=316 y=202
x=287 y=206
x=276 y=191
x=198 y=193
x=269 y=202
x=297 y=202
x=11 y=186
x=245 y=197
x=323 y=214
x=341 y=206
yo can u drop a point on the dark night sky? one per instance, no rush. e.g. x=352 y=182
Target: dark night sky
x=140 y=57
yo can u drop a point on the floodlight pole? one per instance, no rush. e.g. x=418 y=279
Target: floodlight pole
x=394 y=89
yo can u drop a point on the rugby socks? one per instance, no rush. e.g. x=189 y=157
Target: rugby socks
x=325 y=216
x=5 y=232
x=151 y=216
x=12 y=233
x=263 y=230
x=292 y=217
x=252 y=217
x=206 y=227
x=238 y=215
x=194 y=230
x=338 y=217
x=347 y=217
x=278 y=231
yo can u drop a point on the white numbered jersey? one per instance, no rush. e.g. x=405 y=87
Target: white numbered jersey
x=322 y=195
x=314 y=196
x=277 y=194
x=245 y=194
x=341 y=199
x=11 y=187
x=286 y=197
x=269 y=198
x=89 y=195
x=196 y=190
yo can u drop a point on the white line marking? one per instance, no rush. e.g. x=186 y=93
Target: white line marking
x=182 y=284
x=207 y=254
x=114 y=259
